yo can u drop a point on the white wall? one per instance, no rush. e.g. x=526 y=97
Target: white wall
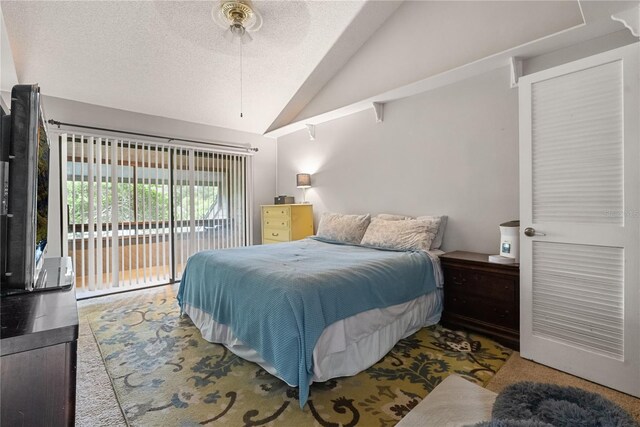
x=92 y=115
x=8 y=77
x=425 y=38
x=577 y=51
x=451 y=151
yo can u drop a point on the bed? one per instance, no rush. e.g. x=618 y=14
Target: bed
x=311 y=310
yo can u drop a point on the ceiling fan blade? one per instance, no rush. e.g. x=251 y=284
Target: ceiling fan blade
x=245 y=38
x=229 y=35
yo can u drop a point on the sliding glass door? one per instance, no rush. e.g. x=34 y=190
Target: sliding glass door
x=209 y=200
x=136 y=210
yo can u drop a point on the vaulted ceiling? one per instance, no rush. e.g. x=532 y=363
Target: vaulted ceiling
x=168 y=58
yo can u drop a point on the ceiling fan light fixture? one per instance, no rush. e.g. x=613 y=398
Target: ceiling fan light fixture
x=237 y=30
x=237 y=34
x=238 y=18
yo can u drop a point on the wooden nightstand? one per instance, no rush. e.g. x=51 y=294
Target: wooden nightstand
x=284 y=223
x=482 y=296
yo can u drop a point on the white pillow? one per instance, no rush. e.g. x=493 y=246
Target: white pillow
x=437 y=242
x=343 y=228
x=411 y=234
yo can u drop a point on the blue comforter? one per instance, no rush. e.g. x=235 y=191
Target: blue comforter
x=279 y=298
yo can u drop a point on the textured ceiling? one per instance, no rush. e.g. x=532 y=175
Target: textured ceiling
x=170 y=59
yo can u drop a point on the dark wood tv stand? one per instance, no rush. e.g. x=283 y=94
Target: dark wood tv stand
x=38 y=342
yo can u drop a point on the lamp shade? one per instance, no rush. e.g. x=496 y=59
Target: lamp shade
x=303 y=180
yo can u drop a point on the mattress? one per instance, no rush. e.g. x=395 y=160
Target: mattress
x=347 y=346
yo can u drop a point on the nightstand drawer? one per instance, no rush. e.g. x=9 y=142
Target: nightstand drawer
x=275 y=234
x=481 y=296
x=481 y=284
x=276 y=222
x=482 y=309
x=279 y=212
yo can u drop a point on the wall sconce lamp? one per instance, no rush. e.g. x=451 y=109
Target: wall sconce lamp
x=303 y=180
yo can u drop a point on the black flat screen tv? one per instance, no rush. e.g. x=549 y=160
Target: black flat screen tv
x=25 y=197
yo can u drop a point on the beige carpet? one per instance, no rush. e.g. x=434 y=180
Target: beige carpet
x=96 y=403
x=518 y=369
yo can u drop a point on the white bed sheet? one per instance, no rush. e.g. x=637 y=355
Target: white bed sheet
x=347 y=346
x=435 y=256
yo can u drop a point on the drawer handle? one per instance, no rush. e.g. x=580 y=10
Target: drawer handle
x=275 y=234
x=501 y=315
x=282 y=212
x=459 y=282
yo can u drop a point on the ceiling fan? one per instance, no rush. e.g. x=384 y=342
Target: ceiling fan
x=239 y=18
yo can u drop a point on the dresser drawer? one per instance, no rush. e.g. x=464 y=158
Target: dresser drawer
x=286 y=223
x=268 y=242
x=481 y=296
x=279 y=212
x=276 y=222
x=276 y=234
x=482 y=309
x=481 y=284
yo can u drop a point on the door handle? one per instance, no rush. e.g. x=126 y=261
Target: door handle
x=530 y=232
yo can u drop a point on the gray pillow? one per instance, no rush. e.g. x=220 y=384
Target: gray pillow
x=411 y=234
x=343 y=228
x=437 y=242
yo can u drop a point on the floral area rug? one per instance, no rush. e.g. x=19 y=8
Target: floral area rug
x=165 y=374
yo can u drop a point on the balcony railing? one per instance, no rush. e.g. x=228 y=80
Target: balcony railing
x=144 y=251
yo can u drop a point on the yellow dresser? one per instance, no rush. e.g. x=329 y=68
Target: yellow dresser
x=284 y=223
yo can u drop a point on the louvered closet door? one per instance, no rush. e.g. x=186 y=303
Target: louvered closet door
x=580 y=191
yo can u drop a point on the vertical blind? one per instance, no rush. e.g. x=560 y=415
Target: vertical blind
x=137 y=210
